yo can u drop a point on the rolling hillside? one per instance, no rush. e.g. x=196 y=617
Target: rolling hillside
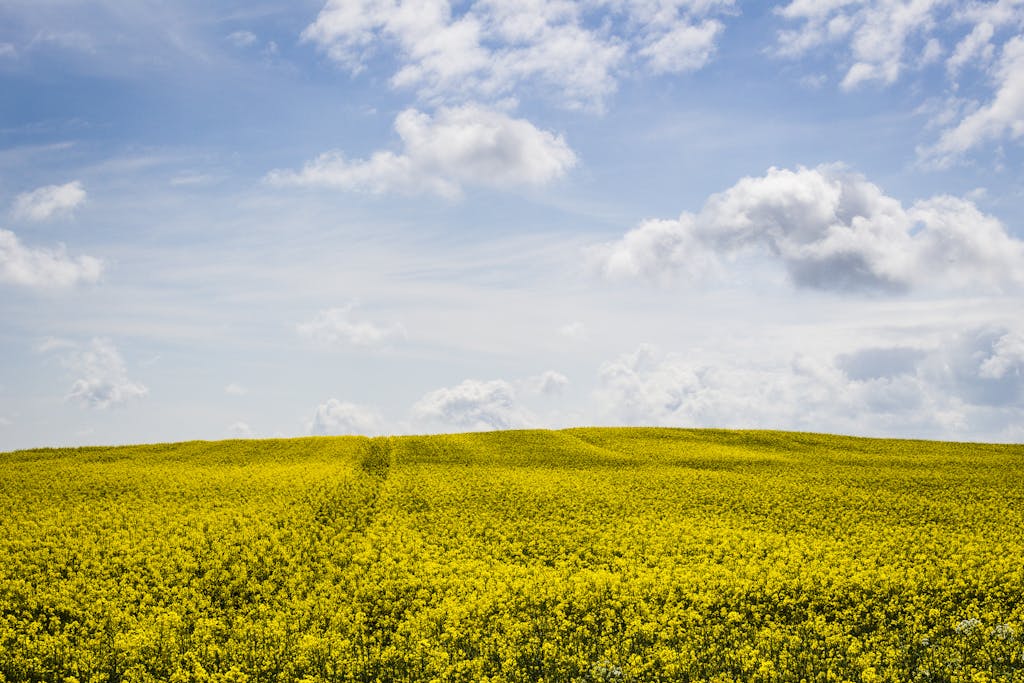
x=575 y=555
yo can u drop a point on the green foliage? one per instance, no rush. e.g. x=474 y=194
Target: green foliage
x=577 y=555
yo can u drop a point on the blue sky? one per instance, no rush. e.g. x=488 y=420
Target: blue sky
x=258 y=219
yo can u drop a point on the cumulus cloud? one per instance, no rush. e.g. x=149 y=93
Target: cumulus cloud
x=48 y=202
x=650 y=387
x=467 y=145
x=549 y=383
x=647 y=387
x=575 y=52
x=1005 y=357
x=474 y=404
x=335 y=417
x=102 y=379
x=831 y=229
x=234 y=389
x=336 y=327
x=41 y=267
x=944 y=391
x=658 y=250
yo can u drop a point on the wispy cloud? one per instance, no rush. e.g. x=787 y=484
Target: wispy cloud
x=242 y=38
x=49 y=202
x=1000 y=118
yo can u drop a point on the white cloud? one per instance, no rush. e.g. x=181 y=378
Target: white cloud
x=974 y=46
x=335 y=327
x=48 y=202
x=884 y=39
x=240 y=430
x=485 y=52
x=859 y=73
x=8 y=50
x=1001 y=118
x=1000 y=13
x=336 y=417
x=242 y=38
x=932 y=53
x=548 y=383
x=882 y=36
x=983 y=368
x=961 y=247
x=832 y=230
x=234 y=389
x=1005 y=359
x=684 y=48
x=192 y=179
x=474 y=404
x=978 y=194
x=938 y=392
x=658 y=250
x=545 y=44
x=102 y=379
x=574 y=52
x=466 y=145
x=41 y=268
x=647 y=387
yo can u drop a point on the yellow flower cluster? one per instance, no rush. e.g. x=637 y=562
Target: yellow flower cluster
x=514 y=557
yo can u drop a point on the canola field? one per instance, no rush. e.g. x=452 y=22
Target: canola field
x=575 y=555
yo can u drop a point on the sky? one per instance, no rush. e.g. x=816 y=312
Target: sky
x=258 y=219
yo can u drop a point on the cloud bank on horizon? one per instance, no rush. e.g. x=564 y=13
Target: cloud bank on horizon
x=726 y=213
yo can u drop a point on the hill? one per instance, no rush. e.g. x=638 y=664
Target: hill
x=575 y=555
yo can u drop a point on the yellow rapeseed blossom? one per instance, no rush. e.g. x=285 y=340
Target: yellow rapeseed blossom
x=515 y=557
